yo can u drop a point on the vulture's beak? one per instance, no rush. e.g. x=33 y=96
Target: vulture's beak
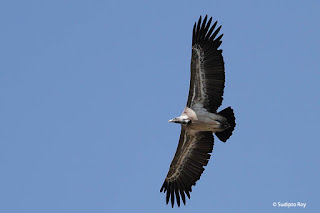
x=170 y=121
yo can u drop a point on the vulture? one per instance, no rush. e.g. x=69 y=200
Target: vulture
x=200 y=119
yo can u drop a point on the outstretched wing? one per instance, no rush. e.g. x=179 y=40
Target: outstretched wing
x=207 y=67
x=192 y=155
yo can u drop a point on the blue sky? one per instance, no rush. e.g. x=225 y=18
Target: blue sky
x=87 y=89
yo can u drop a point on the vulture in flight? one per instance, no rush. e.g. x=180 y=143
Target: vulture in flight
x=200 y=118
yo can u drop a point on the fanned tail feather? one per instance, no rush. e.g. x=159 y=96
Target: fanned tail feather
x=229 y=115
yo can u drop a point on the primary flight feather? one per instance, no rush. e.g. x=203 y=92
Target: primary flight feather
x=200 y=119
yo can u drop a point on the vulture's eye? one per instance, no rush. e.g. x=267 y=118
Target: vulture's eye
x=185 y=122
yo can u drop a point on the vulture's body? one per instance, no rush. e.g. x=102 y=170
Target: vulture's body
x=200 y=118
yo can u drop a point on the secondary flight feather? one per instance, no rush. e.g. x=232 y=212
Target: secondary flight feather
x=200 y=118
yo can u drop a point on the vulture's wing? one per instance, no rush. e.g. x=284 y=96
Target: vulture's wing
x=192 y=155
x=207 y=67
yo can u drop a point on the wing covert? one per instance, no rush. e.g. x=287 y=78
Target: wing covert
x=207 y=66
x=193 y=153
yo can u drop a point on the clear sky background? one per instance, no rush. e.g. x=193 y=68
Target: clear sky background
x=87 y=89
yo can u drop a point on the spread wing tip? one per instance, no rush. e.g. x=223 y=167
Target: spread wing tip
x=174 y=193
x=202 y=30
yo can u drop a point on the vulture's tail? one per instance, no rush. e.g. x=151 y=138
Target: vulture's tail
x=228 y=114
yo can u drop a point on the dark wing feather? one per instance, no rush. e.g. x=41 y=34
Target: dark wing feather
x=192 y=155
x=207 y=67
